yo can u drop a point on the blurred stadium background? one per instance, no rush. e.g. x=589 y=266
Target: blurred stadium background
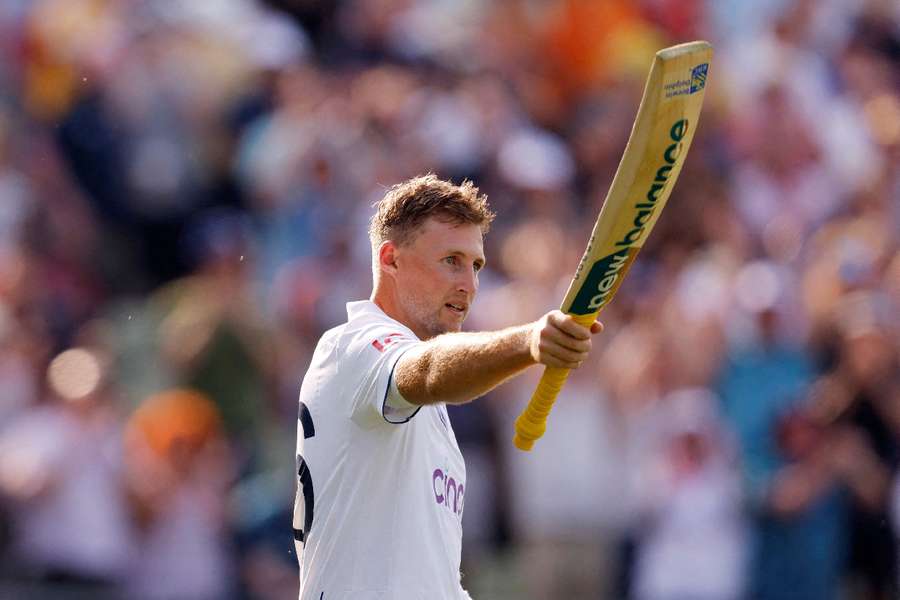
x=184 y=189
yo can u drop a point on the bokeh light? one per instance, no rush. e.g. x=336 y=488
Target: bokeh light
x=75 y=374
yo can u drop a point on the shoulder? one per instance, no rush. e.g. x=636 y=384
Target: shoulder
x=330 y=341
x=370 y=330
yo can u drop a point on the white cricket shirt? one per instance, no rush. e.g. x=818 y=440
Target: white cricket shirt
x=381 y=481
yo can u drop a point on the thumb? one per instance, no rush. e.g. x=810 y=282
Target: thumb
x=596 y=327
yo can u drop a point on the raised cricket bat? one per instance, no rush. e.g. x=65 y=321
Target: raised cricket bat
x=660 y=138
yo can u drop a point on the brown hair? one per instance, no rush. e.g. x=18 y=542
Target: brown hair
x=407 y=205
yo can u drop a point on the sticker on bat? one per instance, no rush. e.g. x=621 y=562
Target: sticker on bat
x=698 y=77
x=602 y=281
x=685 y=87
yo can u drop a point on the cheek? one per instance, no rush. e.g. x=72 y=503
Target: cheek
x=422 y=283
x=413 y=274
x=430 y=281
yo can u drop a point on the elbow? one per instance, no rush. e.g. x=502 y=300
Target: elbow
x=448 y=392
x=414 y=380
x=422 y=381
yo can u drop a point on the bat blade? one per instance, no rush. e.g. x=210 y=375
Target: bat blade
x=656 y=150
x=659 y=142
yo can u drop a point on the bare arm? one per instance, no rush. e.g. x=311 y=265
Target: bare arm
x=458 y=367
x=860 y=468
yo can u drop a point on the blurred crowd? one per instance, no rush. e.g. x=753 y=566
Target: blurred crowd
x=184 y=193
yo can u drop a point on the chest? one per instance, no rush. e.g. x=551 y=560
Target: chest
x=446 y=468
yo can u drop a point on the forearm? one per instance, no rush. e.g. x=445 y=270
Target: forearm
x=870 y=483
x=459 y=367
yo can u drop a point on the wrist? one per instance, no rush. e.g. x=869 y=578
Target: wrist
x=527 y=343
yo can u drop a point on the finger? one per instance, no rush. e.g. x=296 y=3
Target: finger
x=596 y=327
x=562 y=353
x=552 y=361
x=569 y=325
x=561 y=338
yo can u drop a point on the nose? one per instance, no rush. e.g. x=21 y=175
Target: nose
x=468 y=282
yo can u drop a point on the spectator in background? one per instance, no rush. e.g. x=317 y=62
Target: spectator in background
x=61 y=471
x=212 y=335
x=796 y=512
x=799 y=516
x=687 y=502
x=179 y=470
x=562 y=533
x=686 y=535
x=865 y=449
x=894 y=501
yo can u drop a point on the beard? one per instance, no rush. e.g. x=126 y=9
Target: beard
x=426 y=317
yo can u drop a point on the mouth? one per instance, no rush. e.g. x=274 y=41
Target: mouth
x=456 y=308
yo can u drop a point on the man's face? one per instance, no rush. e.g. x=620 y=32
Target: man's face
x=437 y=276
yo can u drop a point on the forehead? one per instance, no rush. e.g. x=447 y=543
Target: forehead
x=440 y=235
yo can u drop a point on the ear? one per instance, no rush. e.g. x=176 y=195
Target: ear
x=387 y=257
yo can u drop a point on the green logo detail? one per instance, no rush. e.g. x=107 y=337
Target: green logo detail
x=601 y=282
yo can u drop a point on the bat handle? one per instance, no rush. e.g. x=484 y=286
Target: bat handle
x=532 y=423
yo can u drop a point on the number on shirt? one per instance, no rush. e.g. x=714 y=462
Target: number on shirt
x=304 y=479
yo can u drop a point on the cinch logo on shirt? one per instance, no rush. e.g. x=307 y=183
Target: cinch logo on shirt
x=447 y=492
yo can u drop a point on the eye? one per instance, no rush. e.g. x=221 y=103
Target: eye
x=477 y=266
x=451 y=260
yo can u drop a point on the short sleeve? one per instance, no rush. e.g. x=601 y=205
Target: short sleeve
x=373 y=354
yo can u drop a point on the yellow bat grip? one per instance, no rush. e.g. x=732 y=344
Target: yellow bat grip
x=532 y=423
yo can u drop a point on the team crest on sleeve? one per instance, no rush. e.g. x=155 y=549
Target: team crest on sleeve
x=381 y=343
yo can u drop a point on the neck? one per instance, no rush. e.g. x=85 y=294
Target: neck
x=385 y=306
x=386 y=299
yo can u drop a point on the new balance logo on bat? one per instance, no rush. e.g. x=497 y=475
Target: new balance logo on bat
x=602 y=282
x=645 y=209
x=605 y=275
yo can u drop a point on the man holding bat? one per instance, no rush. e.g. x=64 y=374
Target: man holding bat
x=381 y=478
x=382 y=482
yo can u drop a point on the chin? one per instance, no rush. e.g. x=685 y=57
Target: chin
x=441 y=329
x=454 y=323
x=436 y=328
